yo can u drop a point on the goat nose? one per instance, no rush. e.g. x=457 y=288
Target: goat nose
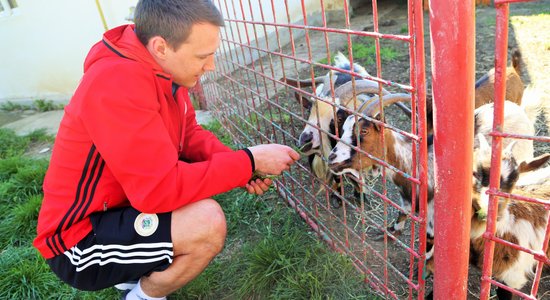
x=331 y=157
x=305 y=138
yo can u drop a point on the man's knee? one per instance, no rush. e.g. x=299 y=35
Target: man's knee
x=200 y=226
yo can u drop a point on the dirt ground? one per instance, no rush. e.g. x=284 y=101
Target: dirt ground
x=272 y=115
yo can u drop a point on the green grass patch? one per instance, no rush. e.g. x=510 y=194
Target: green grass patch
x=19 y=226
x=364 y=52
x=23 y=177
x=43 y=105
x=12 y=106
x=27 y=276
x=270 y=253
x=294 y=265
x=216 y=127
x=40 y=105
x=367 y=53
x=12 y=145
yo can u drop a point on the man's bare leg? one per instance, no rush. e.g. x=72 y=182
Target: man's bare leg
x=198 y=235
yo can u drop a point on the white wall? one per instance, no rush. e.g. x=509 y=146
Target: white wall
x=44 y=43
x=237 y=31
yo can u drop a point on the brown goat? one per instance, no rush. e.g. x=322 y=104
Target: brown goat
x=485 y=86
x=344 y=159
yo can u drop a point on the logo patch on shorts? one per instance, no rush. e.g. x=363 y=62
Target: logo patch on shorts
x=146 y=224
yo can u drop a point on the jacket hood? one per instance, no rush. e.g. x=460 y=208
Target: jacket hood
x=122 y=41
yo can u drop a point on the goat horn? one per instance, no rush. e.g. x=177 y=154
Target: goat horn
x=373 y=107
x=303 y=83
x=345 y=92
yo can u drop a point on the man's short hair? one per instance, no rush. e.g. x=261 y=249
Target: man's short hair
x=173 y=19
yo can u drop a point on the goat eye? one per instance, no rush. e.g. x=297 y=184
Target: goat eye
x=364 y=132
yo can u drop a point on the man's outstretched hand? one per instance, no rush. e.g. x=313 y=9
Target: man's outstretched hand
x=270 y=159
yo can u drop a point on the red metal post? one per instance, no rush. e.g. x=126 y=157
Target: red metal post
x=501 y=43
x=452 y=30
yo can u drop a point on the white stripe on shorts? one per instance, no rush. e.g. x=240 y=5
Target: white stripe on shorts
x=105 y=254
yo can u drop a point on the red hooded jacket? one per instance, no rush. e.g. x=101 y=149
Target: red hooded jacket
x=129 y=137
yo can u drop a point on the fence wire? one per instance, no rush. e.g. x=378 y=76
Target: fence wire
x=268 y=44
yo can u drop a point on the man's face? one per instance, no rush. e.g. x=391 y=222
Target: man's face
x=195 y=56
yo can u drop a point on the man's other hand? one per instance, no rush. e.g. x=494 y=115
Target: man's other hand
x=258 y=186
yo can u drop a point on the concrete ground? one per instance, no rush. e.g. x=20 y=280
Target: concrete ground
x=50 y=122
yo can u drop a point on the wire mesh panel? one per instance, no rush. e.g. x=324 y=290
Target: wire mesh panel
x=515 y=243
x=290 y=72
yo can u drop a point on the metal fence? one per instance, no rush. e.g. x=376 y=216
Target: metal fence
x=265 y=44
x=494 y=235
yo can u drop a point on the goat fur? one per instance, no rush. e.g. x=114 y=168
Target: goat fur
x=519 y=222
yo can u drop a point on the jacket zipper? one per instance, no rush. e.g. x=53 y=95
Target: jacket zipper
x=180 y=121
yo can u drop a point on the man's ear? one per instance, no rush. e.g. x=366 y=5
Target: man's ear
x=158 y=47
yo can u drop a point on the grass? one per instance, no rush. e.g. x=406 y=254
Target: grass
x=364 y=52
x=270 y=253
x=40 y=105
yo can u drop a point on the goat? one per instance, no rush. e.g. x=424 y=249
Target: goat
x=320 y=113
x=485 y=90
x=344 y=159
x=518 y=222
x=398 y=149
x=318 y=155
x=314 y=140
x=516 y=121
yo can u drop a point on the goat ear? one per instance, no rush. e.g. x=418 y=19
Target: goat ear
x=302 y=100
x=377 y=126
x=508 y=152
x=484 y=146
x=533 y=164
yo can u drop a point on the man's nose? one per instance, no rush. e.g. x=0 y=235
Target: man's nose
x=210 y=64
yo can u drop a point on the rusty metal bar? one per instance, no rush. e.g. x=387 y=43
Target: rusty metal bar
x=418 y=77
x=452 y=31
x=501 y=49
x=396 y=37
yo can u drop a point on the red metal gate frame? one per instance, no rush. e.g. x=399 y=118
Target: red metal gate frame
x=501 y=49
x=452 y=32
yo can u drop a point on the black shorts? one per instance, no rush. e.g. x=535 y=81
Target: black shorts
x=123 y=246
